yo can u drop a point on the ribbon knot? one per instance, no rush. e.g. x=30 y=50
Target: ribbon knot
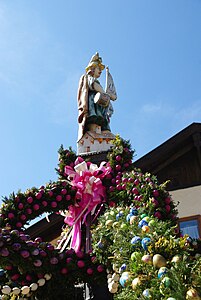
x=87 y=179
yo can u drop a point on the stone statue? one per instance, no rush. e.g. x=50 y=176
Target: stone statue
x=94 y=106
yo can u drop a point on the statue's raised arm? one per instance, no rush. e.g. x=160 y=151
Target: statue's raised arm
x=94 y=105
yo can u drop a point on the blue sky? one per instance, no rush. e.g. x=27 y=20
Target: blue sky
x=153 y=49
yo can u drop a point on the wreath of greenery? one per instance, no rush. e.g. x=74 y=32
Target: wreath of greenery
x=139 y=220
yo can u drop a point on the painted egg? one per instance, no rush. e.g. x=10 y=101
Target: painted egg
x=142 y=223
x=47 y=276
x=192 y=294
x=6 y=290
x=25 y=290
x=136 y=281
x=133 y=219
x=147 y=259
x=145 y=228
x=128 y=217
x=176 y=259
x=122 y=268
x=34 y=286
x=124 y=279
x=133 y=211
x=146 y=219
x=146 y=293
x=115 y=277
x=145 y=242
x=135 y=255
x=2 y=272
x=16 y=291
x=135 y=240
x=159 y=261
x=162 y=271
x=109 y=223
x=41 y=282
x=166 y=281
x=119 y=215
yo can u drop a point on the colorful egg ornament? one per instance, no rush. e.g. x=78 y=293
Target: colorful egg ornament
x=192 y=294
x=136 y=239
x=166 y=281
x=147 y=259
x=136 y=281
x=145 y=242
x=162 y=271
x=159 y=261
x=124 y=279
x=146 y=293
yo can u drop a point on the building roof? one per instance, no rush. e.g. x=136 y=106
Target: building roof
x=177 y=159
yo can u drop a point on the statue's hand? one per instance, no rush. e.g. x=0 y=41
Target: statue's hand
x=112 y=96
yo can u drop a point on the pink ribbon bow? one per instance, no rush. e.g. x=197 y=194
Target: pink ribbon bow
x=86 y=178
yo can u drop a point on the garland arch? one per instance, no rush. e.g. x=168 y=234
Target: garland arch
x=129 y=202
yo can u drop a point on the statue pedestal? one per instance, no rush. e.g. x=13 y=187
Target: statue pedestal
x=95 y=140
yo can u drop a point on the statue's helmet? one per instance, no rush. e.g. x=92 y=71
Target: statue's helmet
x=95 y=61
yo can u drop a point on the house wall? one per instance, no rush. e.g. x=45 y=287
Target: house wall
x=189 y=201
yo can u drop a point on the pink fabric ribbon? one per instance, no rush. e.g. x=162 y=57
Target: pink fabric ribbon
x=87 y=179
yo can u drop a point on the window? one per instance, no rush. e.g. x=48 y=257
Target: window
x=191 y=226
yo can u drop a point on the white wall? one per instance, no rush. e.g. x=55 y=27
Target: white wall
x=190 y=201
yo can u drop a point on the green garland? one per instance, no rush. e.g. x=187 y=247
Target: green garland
x=37 y=269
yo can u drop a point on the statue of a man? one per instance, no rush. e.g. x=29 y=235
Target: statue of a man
x=93 y=102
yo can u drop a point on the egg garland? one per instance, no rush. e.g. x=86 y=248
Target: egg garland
x=25 y=290
x=122 y=185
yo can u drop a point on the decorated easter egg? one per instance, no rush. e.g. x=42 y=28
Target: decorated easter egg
x=136 y=281
x=146 y=219
x=142 y=223
x=135 y=255
x=2 y=272
x=47 y=276
x=176 y=259
x=115 y=277
x=41 y=281
x=192 y=294
x=133 y=211
x=145 y=242
x=147 y=259
x=133 y=219
x=109 y=223
x=34 y=286
x=146 y=293
x=113 y=285
x=25 y=290
x=6 y=290
x=170 y=298
x=135 y=240
x=122 y=268
x=159 y=261
x=166 y=281
x=128 y=217
x=16 y=291
x=162 y=271
x=145 y=228
x=152 y=223
x=115 y=224
x=124 y=279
